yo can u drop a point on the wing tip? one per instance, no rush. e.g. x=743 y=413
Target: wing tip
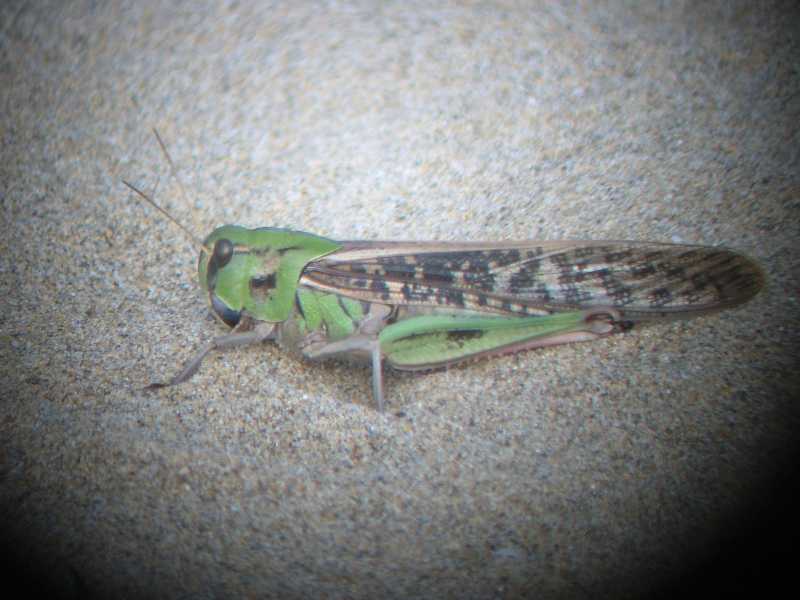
x=734 y=280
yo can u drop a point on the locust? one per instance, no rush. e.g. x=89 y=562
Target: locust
x=416 y=306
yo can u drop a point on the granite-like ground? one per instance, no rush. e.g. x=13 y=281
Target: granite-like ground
x=604 y=470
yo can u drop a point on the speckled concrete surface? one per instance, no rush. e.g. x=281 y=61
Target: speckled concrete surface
x=603 y=470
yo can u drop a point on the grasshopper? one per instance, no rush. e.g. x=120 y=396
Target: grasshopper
x=425 y=305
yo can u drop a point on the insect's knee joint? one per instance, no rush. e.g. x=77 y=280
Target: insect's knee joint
x=602 y=320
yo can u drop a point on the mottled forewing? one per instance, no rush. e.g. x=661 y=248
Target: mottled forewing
x=643 y=280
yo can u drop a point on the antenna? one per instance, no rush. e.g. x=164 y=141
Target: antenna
x=184 y=196
x=152 y=203
x=172 y=168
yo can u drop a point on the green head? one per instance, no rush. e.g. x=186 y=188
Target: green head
x=252 y=270
x=256 y=270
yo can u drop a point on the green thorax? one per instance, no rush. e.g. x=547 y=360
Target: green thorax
x=257 y=270
x=337 y=315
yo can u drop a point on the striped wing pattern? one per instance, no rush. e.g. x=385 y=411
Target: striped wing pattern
x=643 y=280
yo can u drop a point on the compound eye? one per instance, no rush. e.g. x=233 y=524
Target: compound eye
x=223 y=251
x=221 y=255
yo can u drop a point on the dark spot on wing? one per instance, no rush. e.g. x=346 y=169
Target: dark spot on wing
x=525 y=277
x=660 y=297
x=379 y=286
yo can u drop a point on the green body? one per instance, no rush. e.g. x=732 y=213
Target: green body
x=422 y=305
x=427 y=305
